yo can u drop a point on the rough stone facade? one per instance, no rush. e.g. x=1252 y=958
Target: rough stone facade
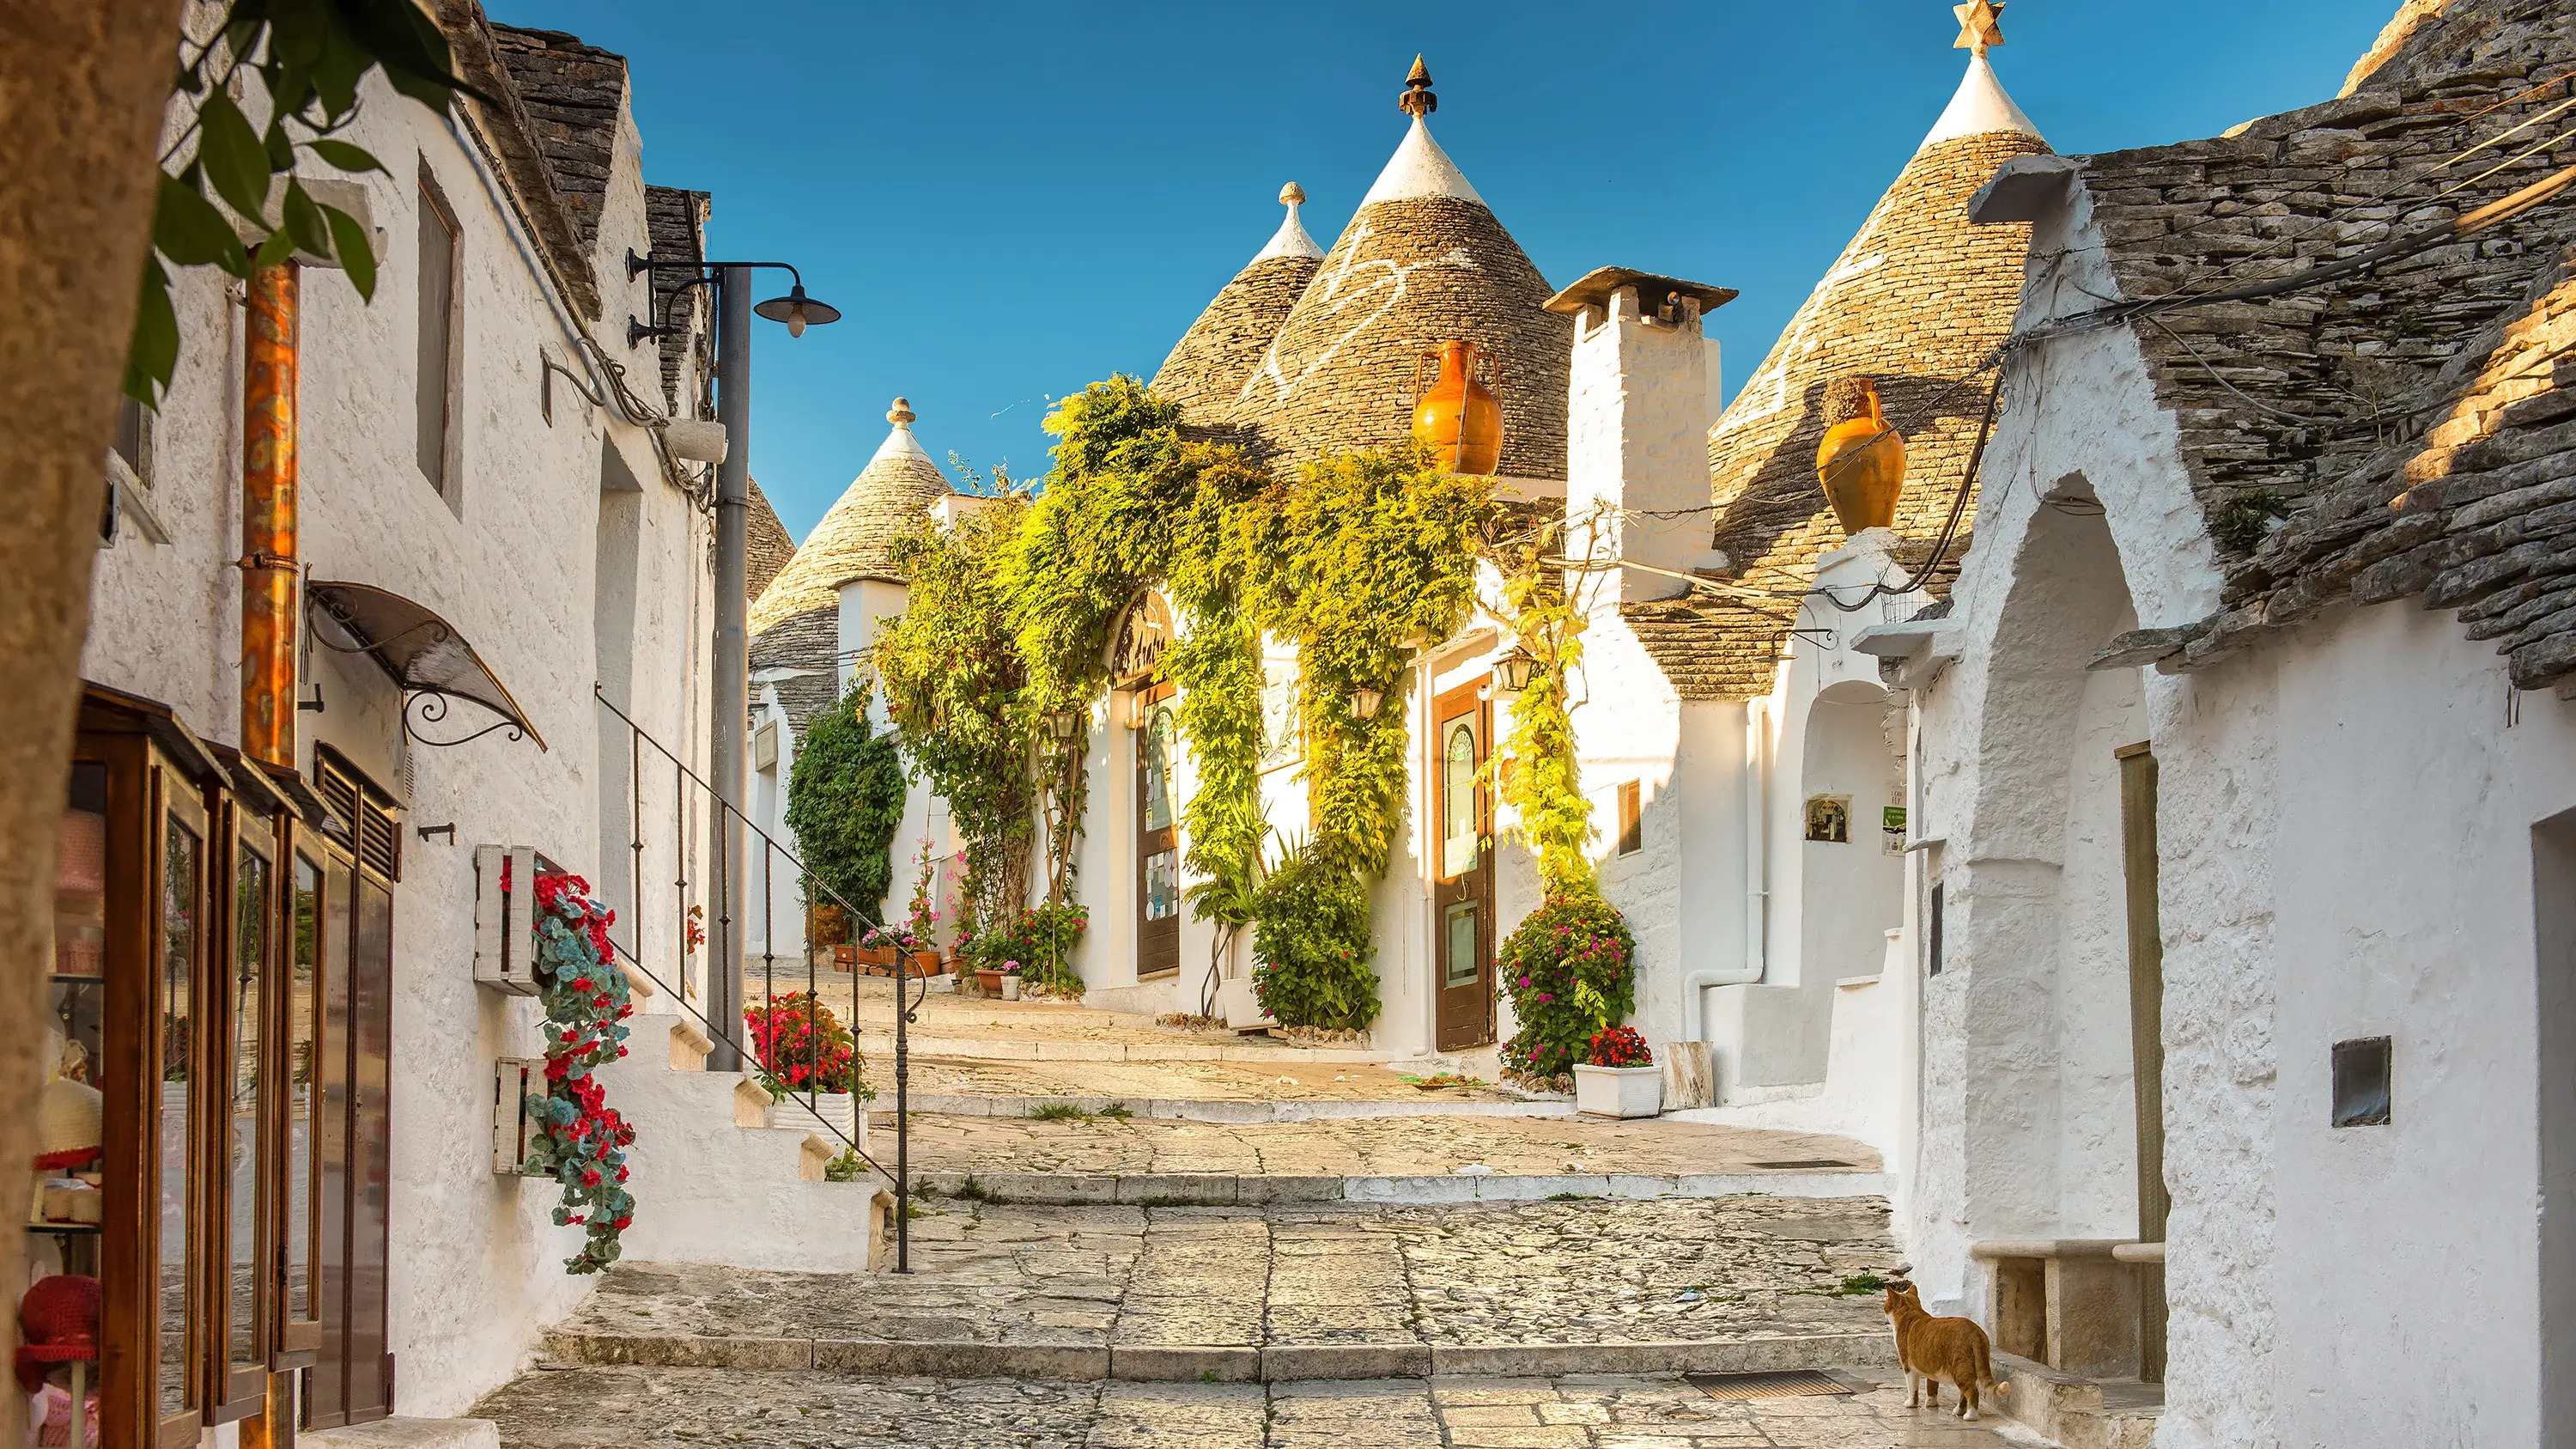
x=2408 y=423
x=573 y=92
x=1404 y=276
x=1916 y=301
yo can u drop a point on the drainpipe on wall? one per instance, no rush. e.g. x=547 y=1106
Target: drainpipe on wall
x=1757 y=878
x=270 y=579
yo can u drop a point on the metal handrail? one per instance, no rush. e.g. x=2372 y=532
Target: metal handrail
x=904 y=1009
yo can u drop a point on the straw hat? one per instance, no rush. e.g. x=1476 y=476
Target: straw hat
x=57 y=1324
x=70 y=1124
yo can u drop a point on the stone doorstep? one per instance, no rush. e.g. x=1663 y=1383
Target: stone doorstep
x=2075 y=1411
x=1006 y=1049
x=1223 y=1363
x=401 y=1433
x=1208 y=1189
x=1233 y=1111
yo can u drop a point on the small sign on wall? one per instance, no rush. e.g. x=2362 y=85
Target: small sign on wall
x=1829 y=819
x=1891 y=830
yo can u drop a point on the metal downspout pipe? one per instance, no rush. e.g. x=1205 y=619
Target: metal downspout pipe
x=270 y=576
x=1757 y=876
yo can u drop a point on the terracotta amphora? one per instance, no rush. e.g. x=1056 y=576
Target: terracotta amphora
x=1459 y=419
x=1861 y=460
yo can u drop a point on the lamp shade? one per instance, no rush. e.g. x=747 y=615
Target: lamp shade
x=1064 y=724
x=1512 y=671
x=1364 y=702
x=798 y=311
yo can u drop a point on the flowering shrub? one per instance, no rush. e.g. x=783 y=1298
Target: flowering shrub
x=1037 y=944
x=1310 y=945
x=582 y=1142
x=802 y=1046
x=1620 y=1046
x=1570 y=971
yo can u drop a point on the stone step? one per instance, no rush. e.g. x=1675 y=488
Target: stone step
x=1222 y=1109
x=1198 y=1189
x=403 y=1433
x=2077 y=1412
x=1041 y=1049
x=1217 y=1363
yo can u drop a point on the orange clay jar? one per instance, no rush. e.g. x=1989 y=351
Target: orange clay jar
x=1861 y=460
x=1459 y=419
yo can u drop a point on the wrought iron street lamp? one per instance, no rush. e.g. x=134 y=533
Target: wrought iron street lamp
x=1364 y=702
x=1512 y=671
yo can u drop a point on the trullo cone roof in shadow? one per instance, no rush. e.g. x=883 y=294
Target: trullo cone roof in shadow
x=1208 y=365
x=1918 y=298
x=1422 y=262
x=886 y=501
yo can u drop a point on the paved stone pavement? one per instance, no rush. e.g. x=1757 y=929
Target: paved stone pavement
x=1371 y=1147
x=866 y=1005
x=1287 y=1081
x=615 y=1408
x=1103 y=1290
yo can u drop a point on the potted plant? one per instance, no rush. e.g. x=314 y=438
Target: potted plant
x=810 y=1064
x=1010 y=981
x=1619 y=1077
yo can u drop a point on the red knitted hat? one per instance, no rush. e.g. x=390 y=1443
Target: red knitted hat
x=57 y=1323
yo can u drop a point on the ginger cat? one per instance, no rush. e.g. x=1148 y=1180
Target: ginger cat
x=1932 y=1349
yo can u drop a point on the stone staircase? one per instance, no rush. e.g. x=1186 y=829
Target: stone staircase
x=2075 y=1412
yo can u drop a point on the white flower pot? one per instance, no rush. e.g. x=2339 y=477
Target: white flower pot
x=1618 y=1091
x=1010 y=988
x=830 y=1110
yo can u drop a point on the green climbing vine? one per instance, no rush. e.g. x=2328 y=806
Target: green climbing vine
x=1355 y=559
x=845 y=803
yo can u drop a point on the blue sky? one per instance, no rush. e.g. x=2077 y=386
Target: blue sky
x=1011 y=200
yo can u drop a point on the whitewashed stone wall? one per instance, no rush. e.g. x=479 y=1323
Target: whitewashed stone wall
x=475 y=1266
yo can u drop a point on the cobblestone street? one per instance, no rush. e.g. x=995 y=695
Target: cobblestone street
x=1390 y=1147
x=615 y=1408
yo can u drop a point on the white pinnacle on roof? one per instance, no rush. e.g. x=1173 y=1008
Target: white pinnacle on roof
x=1420 y=168
x=899 y=443
x=1979 y=109
x=1291 y=239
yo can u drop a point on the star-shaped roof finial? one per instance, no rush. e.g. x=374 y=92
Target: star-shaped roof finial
x=1981 y=24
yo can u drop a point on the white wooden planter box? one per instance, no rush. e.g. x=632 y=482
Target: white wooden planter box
x=513 y=1078
x=830 y=1110
x=505 y=918
x=1618 y=1091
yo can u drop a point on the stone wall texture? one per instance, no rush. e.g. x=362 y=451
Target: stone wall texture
x=1208 y=366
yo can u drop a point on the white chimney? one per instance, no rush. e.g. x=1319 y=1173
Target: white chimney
x=1638 y=411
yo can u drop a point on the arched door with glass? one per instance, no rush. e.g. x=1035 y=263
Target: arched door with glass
x=1158 y=836
x=1462 y=869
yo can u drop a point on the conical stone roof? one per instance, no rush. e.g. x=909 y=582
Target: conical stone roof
x=1919 y=297
x=1207 y=367
x=886 y=501
x=1422 y=262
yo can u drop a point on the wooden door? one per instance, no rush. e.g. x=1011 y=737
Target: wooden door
x=2146 y=1039
x=1158 y=835
x=1462 y=858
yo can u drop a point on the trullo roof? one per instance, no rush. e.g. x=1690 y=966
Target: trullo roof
x=1208 y=365
x=1919 y=297
x=884 y=502
x=1422 y=262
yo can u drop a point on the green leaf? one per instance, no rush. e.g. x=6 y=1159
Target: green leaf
x=235 y=160
x=277 y=248
x=411 y=48
x=349 y=242
x=345 y=156
x=281 y=151
x=304 y=221
x=337 y=71
x=188 y=230
x=152 y=353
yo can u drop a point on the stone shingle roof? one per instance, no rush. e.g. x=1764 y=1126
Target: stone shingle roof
x=514 y=143
x=573 y=92
x=1208 y=366
x=1917 y=299
x=766 y=544
x=677 y=222
x=2410 y=424
x=1423 y=261
x=887 y=500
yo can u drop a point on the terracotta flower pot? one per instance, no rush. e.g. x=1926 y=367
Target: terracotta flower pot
x=1459 y=419
x=989 y=982
x=1862 y=459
